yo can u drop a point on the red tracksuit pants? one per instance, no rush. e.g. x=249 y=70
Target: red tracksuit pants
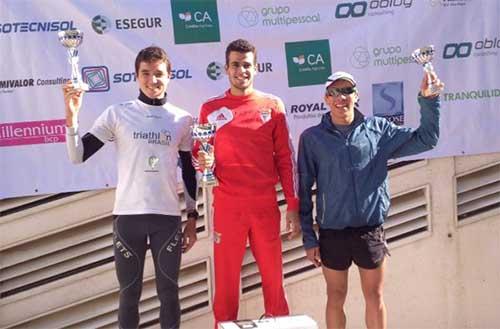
x=232 y=228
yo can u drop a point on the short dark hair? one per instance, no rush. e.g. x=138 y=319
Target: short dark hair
x=241 y=46
x=152 y=54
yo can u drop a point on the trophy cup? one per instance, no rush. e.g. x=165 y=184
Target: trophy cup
x=203 y=133
x=71 y=39
x=423 y=56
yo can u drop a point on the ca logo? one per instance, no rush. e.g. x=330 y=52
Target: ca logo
x=346 y=10
x=459 y=50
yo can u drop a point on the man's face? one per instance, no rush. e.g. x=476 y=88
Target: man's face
x=153 y=78
x=341 y=105
x=241 y=70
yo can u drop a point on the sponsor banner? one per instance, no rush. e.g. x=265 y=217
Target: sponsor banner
x=34 y=132
x=299 y=44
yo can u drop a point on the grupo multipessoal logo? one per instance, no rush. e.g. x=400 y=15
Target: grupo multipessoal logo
x=32 y=132
x=389 y=55
x=356 y=9
x=360 y=57
x=308 y=62
x=307 y=110
x=448 y=3
x=36 y=26
x=483 y=47
x=102 y=24
x=195 y=21
x=388 y=101
x=97 y=77
x=176 y=74
x=275 y=16
x=9 y=86
x=471 y=95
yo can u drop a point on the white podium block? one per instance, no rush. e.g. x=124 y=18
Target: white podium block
x=281 y=322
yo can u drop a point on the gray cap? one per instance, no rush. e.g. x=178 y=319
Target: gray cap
x=339 y=75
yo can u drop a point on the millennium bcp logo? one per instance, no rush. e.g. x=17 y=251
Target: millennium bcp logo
x=195 y=21
x=308 y=62
x=388 y=101
x=97 y=77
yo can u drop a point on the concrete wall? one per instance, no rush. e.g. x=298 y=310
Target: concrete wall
x=447 y=275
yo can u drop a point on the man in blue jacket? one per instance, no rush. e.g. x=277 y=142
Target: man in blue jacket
x=346 y=156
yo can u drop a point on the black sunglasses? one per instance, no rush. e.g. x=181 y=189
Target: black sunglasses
x=335 y=92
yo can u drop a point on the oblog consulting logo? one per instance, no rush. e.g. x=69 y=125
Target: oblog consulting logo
x=483 y=47
x=370 y=8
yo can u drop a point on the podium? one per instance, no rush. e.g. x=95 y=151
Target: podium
x=280 y=322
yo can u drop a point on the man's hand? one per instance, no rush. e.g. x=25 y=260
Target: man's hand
x=73 y=102
x=313 y=255
x=292 y=224
x=206 y=157
x=189 y=234
x=428 y=80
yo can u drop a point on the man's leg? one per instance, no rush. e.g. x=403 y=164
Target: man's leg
x=230 y=237
x=166 y=239
x=265 y=242
x=336 y=290
x=370 y=257
x=372 y=282
x=336 y=257
x=129 y=237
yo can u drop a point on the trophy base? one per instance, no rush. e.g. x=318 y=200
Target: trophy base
x=209 y=183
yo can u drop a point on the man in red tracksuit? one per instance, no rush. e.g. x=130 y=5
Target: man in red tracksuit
x=253 y=152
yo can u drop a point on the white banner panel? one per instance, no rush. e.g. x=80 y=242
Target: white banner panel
x=299 y=44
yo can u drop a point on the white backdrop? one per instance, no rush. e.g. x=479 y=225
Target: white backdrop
x=299 y=44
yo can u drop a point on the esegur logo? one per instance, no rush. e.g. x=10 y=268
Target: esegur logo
x=388 y=101
x=97 y=77
x=483 y=47
x=308 y=62
x=215 y=71
x=275 y=16
x=102 y=24
x=195 y=21
x=356 y=9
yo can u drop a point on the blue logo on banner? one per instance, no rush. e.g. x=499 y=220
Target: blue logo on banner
x=97 y=78
x=388 y=101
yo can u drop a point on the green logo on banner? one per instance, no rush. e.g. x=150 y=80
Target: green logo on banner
x=308 y=62
x=195 y=21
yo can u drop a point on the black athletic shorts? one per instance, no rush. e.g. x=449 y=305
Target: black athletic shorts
x=366 y=246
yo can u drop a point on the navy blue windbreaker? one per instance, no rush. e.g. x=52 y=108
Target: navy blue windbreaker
x=351 y=172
